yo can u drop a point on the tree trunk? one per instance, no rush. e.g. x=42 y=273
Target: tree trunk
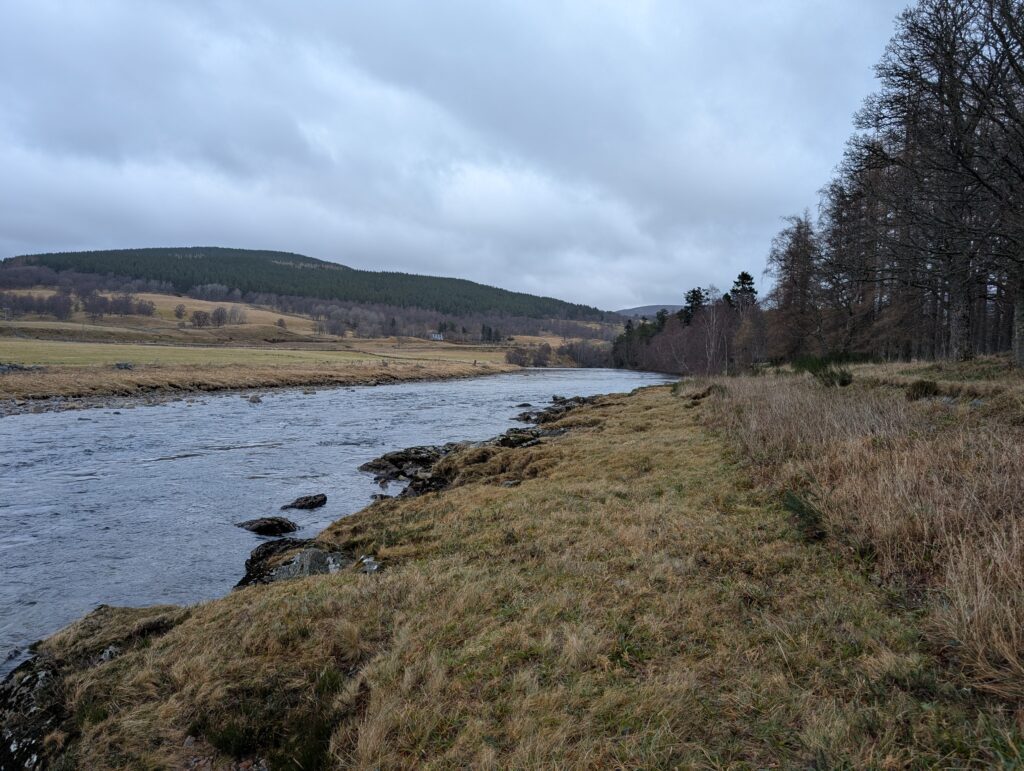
x=960 y=348
x=961 y=341
x=1018 y=322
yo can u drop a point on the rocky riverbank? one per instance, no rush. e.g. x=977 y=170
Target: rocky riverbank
x=419 y=470
x=32 y=698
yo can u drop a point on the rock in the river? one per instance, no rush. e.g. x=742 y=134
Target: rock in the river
x=254 y=399
x=269 y=526
x=307 y=502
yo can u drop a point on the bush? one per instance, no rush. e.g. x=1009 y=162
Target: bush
x=827 y=370
x=518 y=356
x=833 y=376
x=922 y=389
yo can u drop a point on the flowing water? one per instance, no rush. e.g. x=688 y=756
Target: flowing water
x=137 y=506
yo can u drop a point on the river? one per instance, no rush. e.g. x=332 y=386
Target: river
x=137 y=506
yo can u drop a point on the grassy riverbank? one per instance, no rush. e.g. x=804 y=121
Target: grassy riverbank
x=76 y=369
x=632 y=594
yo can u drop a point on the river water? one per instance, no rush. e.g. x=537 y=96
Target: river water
x=137 y=506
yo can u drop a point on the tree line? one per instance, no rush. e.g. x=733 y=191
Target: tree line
x=917 y=250
x=331 y=317
x=62 y=304
x=283 y=273
x=917 y=247
x=713 y=332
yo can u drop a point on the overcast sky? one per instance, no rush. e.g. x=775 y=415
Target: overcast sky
x=612 y=152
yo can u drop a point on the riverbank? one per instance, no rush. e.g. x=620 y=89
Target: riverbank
x=61 y=388
x=626 y=594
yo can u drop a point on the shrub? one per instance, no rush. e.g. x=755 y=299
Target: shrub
x=518 y=356
x=825 y=369
x=922 y=389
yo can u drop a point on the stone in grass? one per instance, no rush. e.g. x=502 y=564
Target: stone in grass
x=307 y=502
x=269 y=526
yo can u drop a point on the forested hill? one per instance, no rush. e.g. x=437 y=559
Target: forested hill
x=283 y=273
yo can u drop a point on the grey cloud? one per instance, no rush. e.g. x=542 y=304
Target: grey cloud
x=604 y=151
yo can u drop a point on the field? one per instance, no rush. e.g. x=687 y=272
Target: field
x=63 y=354
x=747 y=572
x=78 y=355
x=87 y=369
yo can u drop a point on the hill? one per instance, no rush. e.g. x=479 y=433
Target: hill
x=284 y=273
x=647 y=310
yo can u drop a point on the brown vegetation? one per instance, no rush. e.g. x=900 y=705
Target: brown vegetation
x=78 y=382
x=927 y=491
x=634 y=601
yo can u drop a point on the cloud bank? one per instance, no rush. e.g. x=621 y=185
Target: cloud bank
x=612 y=152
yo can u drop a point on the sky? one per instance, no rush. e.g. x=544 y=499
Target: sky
x=610 y=152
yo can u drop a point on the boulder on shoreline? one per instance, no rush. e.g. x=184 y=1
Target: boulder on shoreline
x=421 y=468
x=288 y=558
x=409 y=463
x=30 y=710
x=268 y=525
x=560 y=405
x=307 y=502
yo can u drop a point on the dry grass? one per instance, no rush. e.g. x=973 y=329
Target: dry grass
x=632 y=603
x=930 y=494
x=72 y=354
x=86 y=382
x=75 y=369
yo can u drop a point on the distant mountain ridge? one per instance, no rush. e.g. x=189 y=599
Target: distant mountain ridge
x=285 y=273
x=648 y=310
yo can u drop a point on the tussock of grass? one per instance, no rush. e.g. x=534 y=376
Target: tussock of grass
x=635 y=603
